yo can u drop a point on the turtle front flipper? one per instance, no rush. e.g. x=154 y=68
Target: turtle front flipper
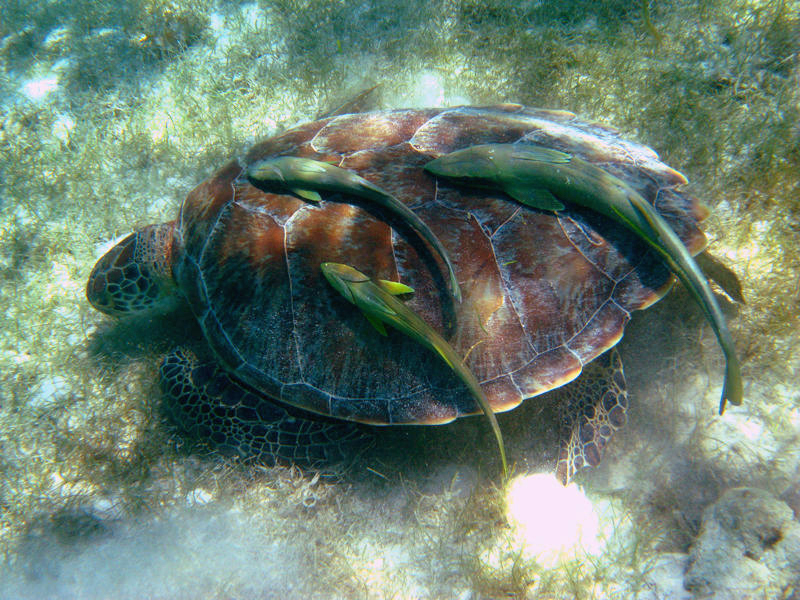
x=210 y=406
x=595 y=407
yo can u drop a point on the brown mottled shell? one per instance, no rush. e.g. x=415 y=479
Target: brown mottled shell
x=544 y=293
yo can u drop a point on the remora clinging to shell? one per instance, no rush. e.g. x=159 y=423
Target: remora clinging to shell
x=378 y=303
x=538 y=177
x=305 y=176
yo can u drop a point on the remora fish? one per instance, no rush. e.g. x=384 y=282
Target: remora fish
x=305 y=177
x=376 y=299
x=538 y=177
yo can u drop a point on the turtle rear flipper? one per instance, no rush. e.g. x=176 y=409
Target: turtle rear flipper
x=210 y=406
x=595 y=407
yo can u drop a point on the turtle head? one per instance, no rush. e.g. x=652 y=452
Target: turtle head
x=135 y=274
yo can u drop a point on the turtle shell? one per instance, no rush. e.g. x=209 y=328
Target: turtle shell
x=543 y=293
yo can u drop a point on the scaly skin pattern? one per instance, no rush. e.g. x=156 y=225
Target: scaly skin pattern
x=210 y=407
x=135 y=274
x=543 y=293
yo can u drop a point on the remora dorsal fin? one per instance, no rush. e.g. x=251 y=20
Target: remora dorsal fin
x=540 y=154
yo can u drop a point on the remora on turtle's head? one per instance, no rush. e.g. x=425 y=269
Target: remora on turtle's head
x=476 y=162
x=135 y=274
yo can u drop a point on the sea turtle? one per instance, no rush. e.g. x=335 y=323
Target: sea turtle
x=544 y=293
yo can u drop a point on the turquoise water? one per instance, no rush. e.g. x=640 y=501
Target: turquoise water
x=110 y=115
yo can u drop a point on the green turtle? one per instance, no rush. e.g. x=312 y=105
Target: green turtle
x=289 y=361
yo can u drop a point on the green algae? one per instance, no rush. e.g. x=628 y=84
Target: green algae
x=150 y=97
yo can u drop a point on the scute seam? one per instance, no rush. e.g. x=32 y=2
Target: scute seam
x=295 y=334
x=506 y=293
x=508 y=220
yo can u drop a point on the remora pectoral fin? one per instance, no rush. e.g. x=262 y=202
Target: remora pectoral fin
x=309 y=195
x=372 y=304
x=535 y=197
x=377 y=324
x=395 y=288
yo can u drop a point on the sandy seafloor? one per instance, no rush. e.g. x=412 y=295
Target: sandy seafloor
x=110 y=114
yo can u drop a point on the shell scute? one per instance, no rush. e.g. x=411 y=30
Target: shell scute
x=398 y=170
x=548 y=370
x=602 y=331
x=465 y=126
x=285 y=143
x=368 y=131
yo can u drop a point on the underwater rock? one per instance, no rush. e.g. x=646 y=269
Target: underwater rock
x=748 y=547
x=665 y=578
